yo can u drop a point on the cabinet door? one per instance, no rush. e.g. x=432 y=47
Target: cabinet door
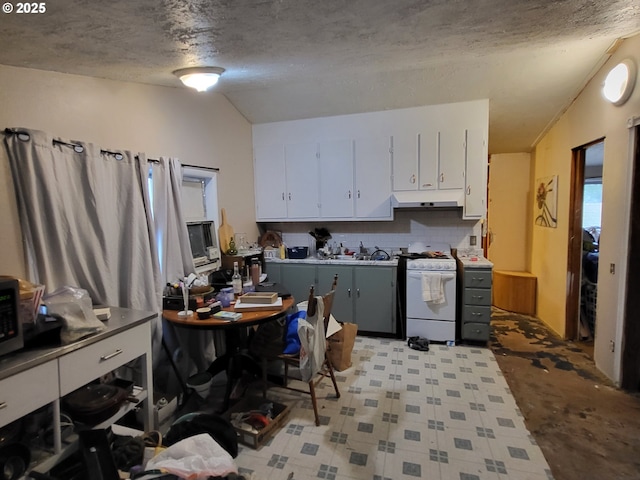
x=428 y=159
x=270 y=182
x=343 y=299
x=375 y=298
x=301 y=161
x=373 y=178
x=273 y=271
x=475 y=205
x=451 y=160
x=404 y=151
x=336 y=179
x=297 y=278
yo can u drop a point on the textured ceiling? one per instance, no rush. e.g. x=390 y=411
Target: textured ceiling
x=292 y=59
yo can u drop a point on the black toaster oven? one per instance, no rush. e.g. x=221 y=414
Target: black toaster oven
x=10 y=325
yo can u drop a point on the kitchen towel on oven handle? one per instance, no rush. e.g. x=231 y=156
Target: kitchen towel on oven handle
x=432 y=285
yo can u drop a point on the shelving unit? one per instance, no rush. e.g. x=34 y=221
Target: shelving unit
x=33 y=378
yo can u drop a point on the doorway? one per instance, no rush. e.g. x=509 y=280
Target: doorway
x=584 y=235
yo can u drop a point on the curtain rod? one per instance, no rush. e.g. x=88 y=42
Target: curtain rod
x=75 y=146
x=214 y=169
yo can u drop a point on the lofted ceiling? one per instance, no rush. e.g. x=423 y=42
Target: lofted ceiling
x=293 y=59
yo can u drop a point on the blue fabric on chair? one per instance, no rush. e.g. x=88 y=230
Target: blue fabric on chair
x=291 y=340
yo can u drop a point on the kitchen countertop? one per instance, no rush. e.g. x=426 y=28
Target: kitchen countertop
x=334 y=261
x=480 y=262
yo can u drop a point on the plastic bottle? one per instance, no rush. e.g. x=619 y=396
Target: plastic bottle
x=282 y=252
x=236 y=280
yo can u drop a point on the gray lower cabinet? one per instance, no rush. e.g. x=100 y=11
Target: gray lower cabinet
x=375 y=296
x=297 y=278
x=365 y=295
x=475 y=303
x=343 y=308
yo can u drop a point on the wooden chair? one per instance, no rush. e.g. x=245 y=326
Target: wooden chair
x=294 y=360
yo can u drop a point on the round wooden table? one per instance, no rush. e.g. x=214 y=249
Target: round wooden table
x=235 y=359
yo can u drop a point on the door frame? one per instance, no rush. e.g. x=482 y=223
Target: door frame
x=574 y=257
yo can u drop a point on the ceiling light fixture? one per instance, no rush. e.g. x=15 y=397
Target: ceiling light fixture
x=620 y=82
x=200 y=78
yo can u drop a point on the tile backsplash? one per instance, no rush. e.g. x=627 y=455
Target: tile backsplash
x=429 y=226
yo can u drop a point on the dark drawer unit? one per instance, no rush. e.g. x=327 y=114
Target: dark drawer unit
x=474 y=302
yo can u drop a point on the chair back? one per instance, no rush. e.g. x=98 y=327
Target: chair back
x=327 y=299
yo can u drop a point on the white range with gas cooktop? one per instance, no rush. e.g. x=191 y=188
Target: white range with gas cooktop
x=431 y=294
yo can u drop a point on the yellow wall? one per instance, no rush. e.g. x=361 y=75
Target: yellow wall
x=509 y=213
x=198 y=129
x=589 y=118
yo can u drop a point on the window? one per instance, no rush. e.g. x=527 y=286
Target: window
x=592 y=203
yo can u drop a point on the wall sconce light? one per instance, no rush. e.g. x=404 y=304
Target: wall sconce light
x=200 y=78
x=620 y=82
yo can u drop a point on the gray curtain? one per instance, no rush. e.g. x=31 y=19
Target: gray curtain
x=86 y=220
x=176 y=261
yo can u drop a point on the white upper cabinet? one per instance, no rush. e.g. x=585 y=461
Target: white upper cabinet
x=373 y=178
x=270 y=181
x=336 y=179
x=475 y=193
x=347 y=167
x=301 y=162
x=428 y=154
x=451 y=158
x=404 y=155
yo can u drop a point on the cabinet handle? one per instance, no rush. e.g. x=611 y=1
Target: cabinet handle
x=475 y=314
x=427 y=184
x=104 y=358
x=282 y=195
x=441 y=177
x=413 y=178
x=477 y=279
x=289 y=195
x=349 y=292
x=349 y=194
x=358 y=292
x=3 y=405
x=469 y=190
x=479 y=297
x=358 y=193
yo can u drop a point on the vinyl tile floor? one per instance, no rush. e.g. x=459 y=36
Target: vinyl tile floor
x=402 y=414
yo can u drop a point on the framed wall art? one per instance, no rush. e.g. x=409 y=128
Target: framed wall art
x=547 y=201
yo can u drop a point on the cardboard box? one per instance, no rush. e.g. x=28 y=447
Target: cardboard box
x=257 y=439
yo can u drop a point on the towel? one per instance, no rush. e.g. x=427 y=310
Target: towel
x=432 y=289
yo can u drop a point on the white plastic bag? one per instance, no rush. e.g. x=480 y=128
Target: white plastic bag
x=195 y=458
x=74 y=306
x=312 y=342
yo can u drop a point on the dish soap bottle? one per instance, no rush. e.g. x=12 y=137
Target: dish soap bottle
x=232 y=247
x=236 y=280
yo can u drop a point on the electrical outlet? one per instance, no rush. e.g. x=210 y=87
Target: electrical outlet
x=473 y=240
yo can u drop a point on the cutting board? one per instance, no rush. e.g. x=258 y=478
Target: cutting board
x=225 y=233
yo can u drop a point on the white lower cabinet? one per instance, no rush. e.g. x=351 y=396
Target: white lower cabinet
x=27 y=391
x=44 y=376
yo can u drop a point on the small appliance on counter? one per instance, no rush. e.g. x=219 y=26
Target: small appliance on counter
x=11 y=338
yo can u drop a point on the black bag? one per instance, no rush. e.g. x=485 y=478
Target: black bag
x=219 y=428
x=269 y=339
x=418 y=343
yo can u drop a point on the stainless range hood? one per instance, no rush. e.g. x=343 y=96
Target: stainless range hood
x=428 y=198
